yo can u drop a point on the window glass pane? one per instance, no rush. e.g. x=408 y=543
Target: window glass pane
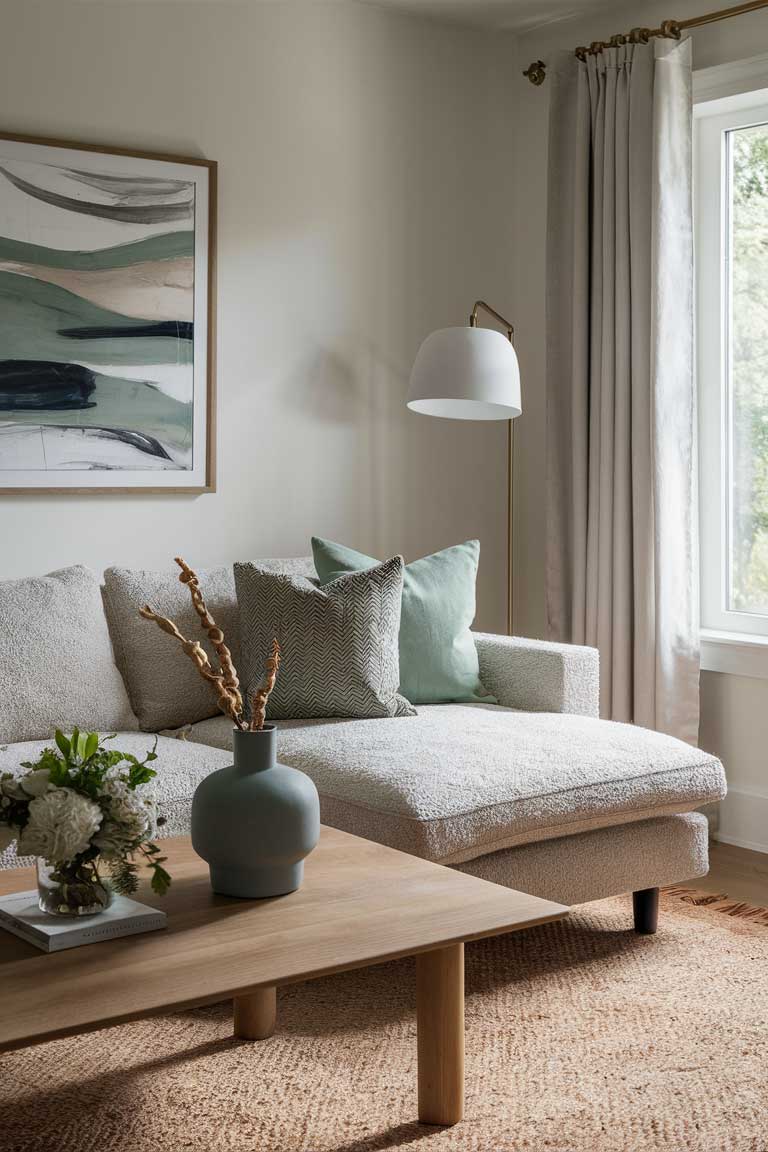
x=747 y=369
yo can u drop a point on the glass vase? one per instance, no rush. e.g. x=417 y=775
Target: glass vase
x=72 y=889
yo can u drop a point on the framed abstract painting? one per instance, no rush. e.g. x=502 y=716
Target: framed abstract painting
x=107 y=262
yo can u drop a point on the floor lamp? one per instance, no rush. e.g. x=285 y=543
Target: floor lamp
x=472 y=374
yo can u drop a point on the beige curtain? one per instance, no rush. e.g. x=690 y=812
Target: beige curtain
x=621 y=524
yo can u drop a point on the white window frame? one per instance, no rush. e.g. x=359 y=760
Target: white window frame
x=733 y=96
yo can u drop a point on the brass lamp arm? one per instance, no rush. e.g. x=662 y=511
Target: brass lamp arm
x=492 y=312
x=497 y=316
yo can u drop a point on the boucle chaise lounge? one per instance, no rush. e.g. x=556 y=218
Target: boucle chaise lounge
x=535 y=793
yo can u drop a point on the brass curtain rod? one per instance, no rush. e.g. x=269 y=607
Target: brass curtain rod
x=670 y=29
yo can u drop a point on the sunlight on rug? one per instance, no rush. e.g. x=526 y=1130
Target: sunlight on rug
x=581 y=1037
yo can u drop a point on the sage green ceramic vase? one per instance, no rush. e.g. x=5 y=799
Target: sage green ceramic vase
x=255 y=821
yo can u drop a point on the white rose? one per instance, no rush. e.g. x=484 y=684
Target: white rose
x=129 y=816
x=36 y=783
x=7 y=836
x=61 y=824
x=130 y=805
x=111 y=841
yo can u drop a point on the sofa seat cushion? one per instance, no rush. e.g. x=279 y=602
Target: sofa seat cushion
x=461 y=780
x=180 y=768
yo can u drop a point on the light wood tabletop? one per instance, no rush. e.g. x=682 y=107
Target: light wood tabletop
x=361 y=903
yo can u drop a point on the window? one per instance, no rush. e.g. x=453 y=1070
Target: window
x=731 y=182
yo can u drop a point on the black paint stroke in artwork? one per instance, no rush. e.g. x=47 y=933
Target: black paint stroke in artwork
x=139 y=440
x=179 y=329
x=125 y=213
x=44 y=385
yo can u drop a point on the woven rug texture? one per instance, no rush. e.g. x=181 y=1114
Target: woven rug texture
x=581 y=1037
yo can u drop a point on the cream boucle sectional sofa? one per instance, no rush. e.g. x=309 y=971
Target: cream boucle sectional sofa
x=536 y=793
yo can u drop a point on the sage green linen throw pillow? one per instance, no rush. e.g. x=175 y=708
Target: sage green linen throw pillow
x=438 y=658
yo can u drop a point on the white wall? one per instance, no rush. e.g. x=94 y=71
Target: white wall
x=734 y=709
x=734 y=725
x=365 y=181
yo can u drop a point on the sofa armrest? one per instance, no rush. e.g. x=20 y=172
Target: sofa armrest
x=536 y=676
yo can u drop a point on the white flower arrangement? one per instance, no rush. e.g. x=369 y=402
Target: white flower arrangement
x=82 y=803
x=60 y=825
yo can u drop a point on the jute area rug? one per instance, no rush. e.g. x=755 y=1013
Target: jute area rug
x=581 y=1037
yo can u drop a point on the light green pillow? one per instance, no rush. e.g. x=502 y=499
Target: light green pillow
x=438 y=658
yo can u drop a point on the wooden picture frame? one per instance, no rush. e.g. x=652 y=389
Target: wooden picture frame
x=110 y=253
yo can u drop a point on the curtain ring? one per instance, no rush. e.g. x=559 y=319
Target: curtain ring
x=639 y=36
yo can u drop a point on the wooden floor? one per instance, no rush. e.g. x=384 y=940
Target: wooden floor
x=738 y=872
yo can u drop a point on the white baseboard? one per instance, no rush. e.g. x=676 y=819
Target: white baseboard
x=744 y=819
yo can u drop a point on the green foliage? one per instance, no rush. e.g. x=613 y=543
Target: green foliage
x=124 y=876
x=161 y=880
x=124 y=873
x=749 y=382
x=15 y=811
x=82 y=762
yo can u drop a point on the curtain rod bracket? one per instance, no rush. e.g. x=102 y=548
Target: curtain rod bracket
x=536 y=72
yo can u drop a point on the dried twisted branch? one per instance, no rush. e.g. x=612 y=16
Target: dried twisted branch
x=215 y=635
x=225 y=679
x=229 y=702
x=263 y=692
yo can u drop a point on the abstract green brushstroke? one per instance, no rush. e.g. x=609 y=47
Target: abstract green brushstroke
x=169 y=246
x=124 y=404
x=32 y=312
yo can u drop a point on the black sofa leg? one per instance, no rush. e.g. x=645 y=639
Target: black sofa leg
x=645 y=905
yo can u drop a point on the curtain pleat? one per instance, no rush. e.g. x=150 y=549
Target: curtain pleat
x=621 y=553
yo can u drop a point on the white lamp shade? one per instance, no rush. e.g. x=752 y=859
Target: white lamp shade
x=466 y=374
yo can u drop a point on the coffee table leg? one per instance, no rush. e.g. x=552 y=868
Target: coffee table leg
x=440 y=1024
x=256 y=1014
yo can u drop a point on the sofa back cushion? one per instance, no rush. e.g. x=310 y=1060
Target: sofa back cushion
x=57 y=668
x=165 y=687
x=438 y=658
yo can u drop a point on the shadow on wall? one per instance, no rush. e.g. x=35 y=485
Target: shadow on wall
x=357 y=398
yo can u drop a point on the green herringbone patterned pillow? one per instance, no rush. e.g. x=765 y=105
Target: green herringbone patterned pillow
x=339 y=643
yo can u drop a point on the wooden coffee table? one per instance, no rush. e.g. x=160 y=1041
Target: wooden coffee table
x=361 y=903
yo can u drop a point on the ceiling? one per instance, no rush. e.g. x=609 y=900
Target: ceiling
x=517 y=15
x=509 y=15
